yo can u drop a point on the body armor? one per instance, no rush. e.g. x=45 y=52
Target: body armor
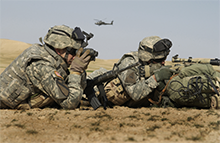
x=15 y=84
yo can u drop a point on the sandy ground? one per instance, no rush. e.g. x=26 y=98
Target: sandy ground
x=117 y=124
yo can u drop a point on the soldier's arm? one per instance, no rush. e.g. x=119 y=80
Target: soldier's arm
x=136 y=88
x=46 y=78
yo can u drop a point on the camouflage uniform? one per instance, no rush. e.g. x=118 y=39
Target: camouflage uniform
x=130 y=88
x=41 y=72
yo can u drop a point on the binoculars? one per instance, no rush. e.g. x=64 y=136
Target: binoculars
x=93 y=53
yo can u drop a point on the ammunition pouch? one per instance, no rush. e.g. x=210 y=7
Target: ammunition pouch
x=3 y=106
x=16 y=92
x=115 y=92
x=148 y=70
x=144 y=71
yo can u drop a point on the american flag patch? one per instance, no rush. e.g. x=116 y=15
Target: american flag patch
x=57 y=74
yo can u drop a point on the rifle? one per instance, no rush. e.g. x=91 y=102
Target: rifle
x=99 y=82
x=215 y=61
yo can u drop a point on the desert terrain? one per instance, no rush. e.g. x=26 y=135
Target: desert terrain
x=114 y=125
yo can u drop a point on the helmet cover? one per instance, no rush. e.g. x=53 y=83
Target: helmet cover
x=153 y=48
x=61 y=37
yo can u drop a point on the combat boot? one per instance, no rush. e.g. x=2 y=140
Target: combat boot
x=215 y=102
x=24 y=105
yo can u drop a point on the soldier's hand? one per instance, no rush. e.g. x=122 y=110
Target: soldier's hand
x=161 y=85
x=164 y=74
x=80 y=63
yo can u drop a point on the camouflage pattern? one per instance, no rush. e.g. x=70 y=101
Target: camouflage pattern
x=179 y=83
x=136 y=88
x=60 y=37
x=39 y=70
x=149 y=42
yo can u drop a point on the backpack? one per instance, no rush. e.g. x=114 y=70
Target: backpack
x=194 y=86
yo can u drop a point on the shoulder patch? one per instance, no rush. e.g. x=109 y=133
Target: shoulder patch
x=57 y=74
x=130 y=77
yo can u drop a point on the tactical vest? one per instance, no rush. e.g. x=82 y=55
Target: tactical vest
x=15 y=84
x=144 y=71
x=133 y=55
x=114 y=89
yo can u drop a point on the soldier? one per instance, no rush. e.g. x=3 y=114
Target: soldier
x=135 y=86
x=39 y=76
x=196 y=85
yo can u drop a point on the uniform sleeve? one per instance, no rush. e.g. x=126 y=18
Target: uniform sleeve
x=135 y=87
x=67 y=94
x=76 y=91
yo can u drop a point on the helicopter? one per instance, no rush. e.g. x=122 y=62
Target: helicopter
x=100 y=22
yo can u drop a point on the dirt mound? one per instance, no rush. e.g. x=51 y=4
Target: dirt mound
x=9 y=50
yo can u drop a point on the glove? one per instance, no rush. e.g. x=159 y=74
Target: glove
x=80 y=63
x=164 y=74
x=161 y=85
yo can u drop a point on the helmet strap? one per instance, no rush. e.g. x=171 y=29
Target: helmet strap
x=66 y=55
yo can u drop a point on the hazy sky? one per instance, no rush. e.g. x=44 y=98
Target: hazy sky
x=192 y=25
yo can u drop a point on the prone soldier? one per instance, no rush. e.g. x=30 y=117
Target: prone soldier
x=152 y=83
x=40 y=76
x=133 y=87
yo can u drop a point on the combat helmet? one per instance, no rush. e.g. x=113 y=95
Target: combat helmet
x=61 y=37
x=153 y=48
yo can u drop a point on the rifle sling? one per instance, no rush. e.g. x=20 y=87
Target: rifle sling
x=161 y=93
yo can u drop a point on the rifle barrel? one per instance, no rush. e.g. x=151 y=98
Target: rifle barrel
x=215 y=61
